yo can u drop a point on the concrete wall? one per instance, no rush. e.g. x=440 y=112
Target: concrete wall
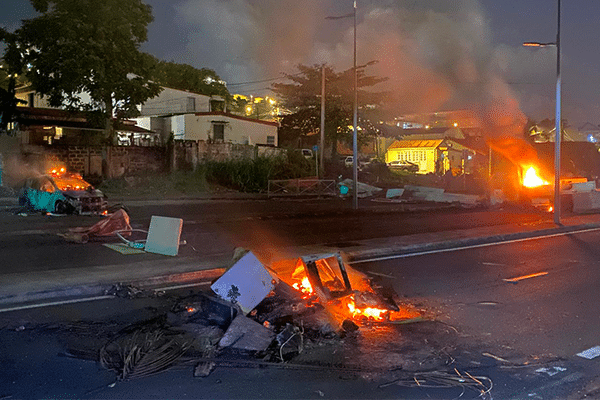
x=115 y=161
x=187 y=154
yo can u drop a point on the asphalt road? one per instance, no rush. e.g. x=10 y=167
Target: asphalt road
x=548 y=312
x=485 y=325
x=215 y=228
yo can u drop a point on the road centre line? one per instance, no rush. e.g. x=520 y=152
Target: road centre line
x=520 y=278
x=474 y=246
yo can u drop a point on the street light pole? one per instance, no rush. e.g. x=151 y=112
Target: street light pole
x=558 y=134
x=355 y=125
x=322 y=144
x=355 y=118
x=558 y=127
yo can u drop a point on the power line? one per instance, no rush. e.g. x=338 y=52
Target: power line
x=263 y=80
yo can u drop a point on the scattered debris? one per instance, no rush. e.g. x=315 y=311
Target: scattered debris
x=363 y=189
x=204 y=369
x=143 y=352
x=446 y=379
x=268 y=317
x=290 y=340
x=164 y=235
x=128 y=292
x=494 y=357
x=108 y=227
x=391 y=193
x=551 y=371
x=438 y=195
x=246 y=334
x=123 y=248
x=245 y=284
x=590 y=353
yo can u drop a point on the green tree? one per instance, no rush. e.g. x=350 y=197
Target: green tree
x=303 y=97
x=91 y=47
x=9 y=77
x=185 y=77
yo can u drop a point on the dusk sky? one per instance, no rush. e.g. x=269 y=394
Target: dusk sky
x=437 y=54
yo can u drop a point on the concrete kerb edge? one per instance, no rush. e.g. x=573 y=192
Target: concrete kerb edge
x=191 y=277
x=97 y=290
x=364 y=255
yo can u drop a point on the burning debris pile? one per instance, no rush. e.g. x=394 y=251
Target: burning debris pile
x=310 y=313
x=270 y=314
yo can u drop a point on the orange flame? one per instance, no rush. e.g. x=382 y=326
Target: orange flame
x=532 y=179
x=304 y=287
x=369 y=312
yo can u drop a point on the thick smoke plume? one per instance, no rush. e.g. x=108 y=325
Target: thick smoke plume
x=437 y=54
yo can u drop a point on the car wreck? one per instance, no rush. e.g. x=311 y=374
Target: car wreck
x=61 y=192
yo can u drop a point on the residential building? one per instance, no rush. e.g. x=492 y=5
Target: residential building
x=432 y=156
x=41 y=124
x=192 y=116
x=52 y=126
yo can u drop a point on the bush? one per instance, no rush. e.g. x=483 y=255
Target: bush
x=254 y=175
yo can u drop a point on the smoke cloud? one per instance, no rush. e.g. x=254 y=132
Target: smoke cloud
x=438 y=55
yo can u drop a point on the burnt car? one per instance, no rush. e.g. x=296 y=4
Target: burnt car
x=66 y=193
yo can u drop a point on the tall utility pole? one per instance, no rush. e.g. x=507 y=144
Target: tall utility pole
x=558 y=136
x=558 y=127
x=355 y=125
x=322 y=145
x=355 y=119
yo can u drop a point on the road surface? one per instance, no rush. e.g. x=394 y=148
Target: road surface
x=502 y=311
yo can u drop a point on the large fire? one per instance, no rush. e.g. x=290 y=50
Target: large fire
x=346 y=304
x=531 y=179
x=67 y=180
x=376 y=314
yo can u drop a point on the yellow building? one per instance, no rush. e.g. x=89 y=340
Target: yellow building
x=432 y=156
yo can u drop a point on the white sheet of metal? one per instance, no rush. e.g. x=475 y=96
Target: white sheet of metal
x=247 y=283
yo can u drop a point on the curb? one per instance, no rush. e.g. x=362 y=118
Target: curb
x=414 y=249
x=81 y=292
x=45 y=297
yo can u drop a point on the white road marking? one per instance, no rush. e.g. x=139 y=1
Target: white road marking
x=55 y=303
x=475 y=246
x=94 y=298
x=520 y=278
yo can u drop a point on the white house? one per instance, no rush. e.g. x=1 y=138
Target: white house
x=190 y=116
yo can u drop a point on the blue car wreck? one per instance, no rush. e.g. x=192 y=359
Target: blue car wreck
x=62 y=194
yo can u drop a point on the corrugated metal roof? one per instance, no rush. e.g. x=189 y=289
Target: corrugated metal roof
x=402 y=144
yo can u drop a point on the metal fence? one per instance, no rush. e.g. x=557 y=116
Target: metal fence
x=302 y=187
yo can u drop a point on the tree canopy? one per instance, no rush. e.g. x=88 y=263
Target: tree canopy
x=303 y=98
x=185 y=77
x=91 y=47
x=9 y=79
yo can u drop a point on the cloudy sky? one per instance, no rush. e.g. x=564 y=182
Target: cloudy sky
x=437 y=54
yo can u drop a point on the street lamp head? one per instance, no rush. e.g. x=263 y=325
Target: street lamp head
x=538 y=44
